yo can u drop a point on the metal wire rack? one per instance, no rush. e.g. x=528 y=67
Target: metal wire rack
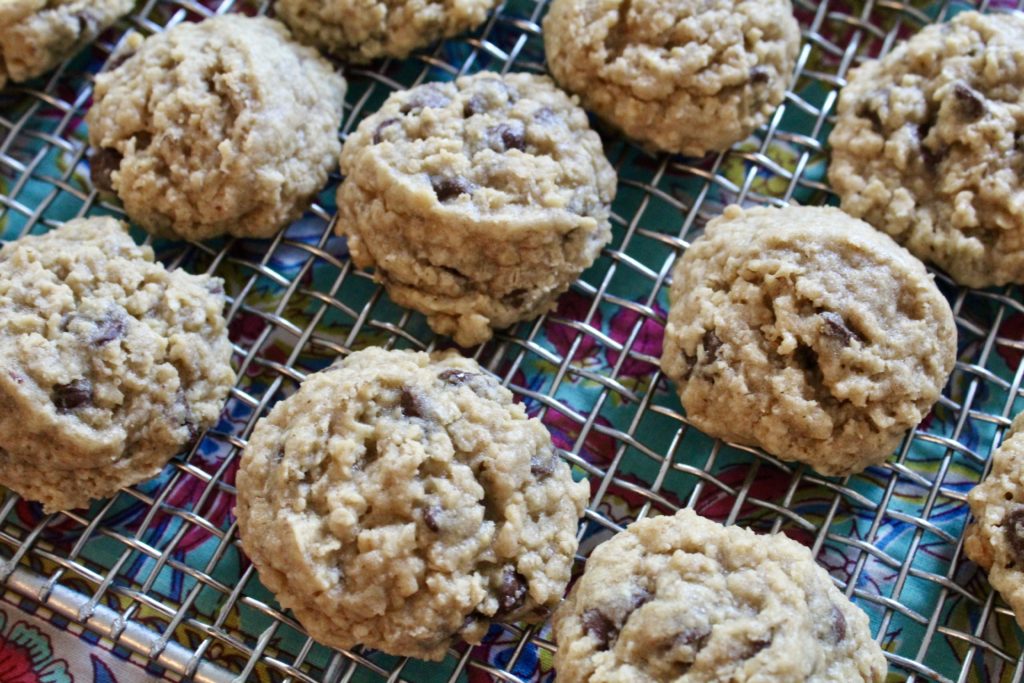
x=158 y=570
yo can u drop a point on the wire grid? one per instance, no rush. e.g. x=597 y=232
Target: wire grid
x=934 y=613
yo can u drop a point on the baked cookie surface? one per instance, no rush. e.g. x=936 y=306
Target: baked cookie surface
x=477 y=202
x=36 y=35
x=227 y=126
x=359 y=31
x=404 y=501
x=109 y=363
x=685 y=76
x=995 y=539
x=808 y=333
x=928 y=146
x=683 y=598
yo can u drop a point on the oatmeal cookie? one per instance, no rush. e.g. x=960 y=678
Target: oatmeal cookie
x=685 y=76
x=109 y=363
x=477 y=202
x=225 y=126
x=404 y=501
x=37 y=35
x=929 y=146
x=682 y=598
x=808 y=333
x=359 y=31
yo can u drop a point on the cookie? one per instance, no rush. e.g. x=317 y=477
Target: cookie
x=995 y=539
x=37 y=35
x=687 y=76
x=478 y=202
x=808 y=333
x=928 y=146
x=683 y=598
x=359 y=31
x=404 y=501
x=109 y=363
x=222 y=127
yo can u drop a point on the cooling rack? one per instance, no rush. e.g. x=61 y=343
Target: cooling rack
x=158 y=569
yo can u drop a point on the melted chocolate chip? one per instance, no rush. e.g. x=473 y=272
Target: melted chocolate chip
x=599 y=627
x=515 y=298
x=456 y=376
x=411 y=404
x=74 y=394
x=711 y=344
x=15 y=377
x=696 y=638
x=110 y=327
x=512 y=591
x=931 y=157
x=379 y=130
x=1013 y=528
x=835 y=327
x=426 y=97
x=102 y=164
x=970 y=105
x=838 y=625
x=545 y=115
x=542 y=466
x=279 y=456
x=215 y=286
x=755 y=646
x=640 y=597
x=476 y=104
x=510 y=135
x=449 y=188
x=759 y=75
x=430 y=517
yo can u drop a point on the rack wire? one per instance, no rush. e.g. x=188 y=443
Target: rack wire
x=158 y=569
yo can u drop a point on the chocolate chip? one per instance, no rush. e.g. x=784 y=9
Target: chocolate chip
x=456 y=376
x=512 y=591
x=838 y=625
x=379 y=130
x=970 y=105
x=515 y=298
x=755 y=646
x=449 y=188
x=759 y=75
x=102 y=164
x=835 y=327
x=639 y=598
x=15 y=377
x=430 y=517
x=76 y=393
x=542 y=466
x=411 y=405
x=1013 y=528
x=110 y=327
x=711 y=344
x=545 y=115
x=599 y=627
x=425 y=97
x=476 y=104
x=508 y=136
x=696 y=638
x=866 y=111
x=931 y=157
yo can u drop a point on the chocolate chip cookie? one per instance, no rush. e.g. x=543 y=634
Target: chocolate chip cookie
x=225 y=126
x=929 y=146
x=478 y=202
x=404 y=501
x=685 y=76
x=359 y=31
x=37 y=35
x=109 y=363
x=808 y=333
x=995 y=539
x=683 y=598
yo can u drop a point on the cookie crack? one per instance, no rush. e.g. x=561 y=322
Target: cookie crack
x=616 y=40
